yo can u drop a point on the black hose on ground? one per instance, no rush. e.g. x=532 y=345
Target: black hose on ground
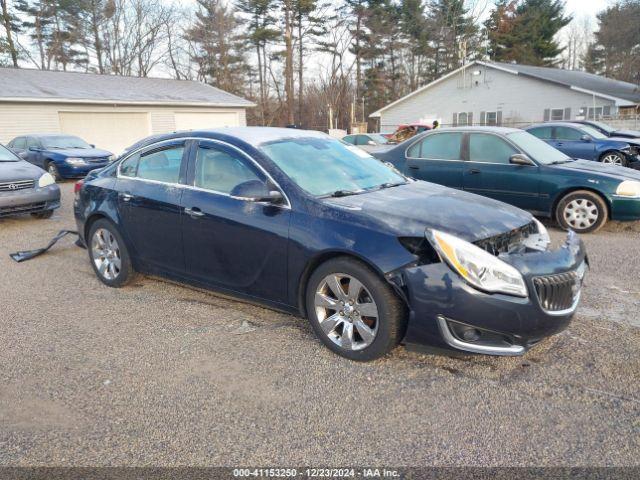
x=29 y=254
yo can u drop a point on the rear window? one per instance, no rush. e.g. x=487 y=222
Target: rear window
x=441 y=146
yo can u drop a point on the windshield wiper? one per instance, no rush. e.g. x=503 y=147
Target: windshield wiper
x=343 y=193
x=391 y=185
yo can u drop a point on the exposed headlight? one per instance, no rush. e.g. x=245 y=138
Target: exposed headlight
x=75 y=161
x=479 y=268
x=629 y=188
x=112 y=158
x=45 y=180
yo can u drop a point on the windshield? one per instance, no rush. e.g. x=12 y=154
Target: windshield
x=604 y=126
x=538 y=150
x=64 y=142
x=7 y=155
x=381 y=139
x=325 y=166
x=593 y=133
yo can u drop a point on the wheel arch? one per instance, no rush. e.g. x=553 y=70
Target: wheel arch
x=318 y=260
x=610 y=150
x=563 y=193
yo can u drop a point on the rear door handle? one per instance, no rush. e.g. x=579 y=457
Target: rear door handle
x=473 y=171
x=194 y=212
x=413 y=167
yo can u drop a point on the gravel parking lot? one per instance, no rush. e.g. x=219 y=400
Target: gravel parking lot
x=160 y=374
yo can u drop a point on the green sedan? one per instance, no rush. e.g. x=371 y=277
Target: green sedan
x=515 y=167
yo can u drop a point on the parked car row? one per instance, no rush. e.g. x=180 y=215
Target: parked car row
x=364 y=248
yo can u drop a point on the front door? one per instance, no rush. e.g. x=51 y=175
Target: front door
x=232 y=242
x=570 y=141
x=490 y=173
x=437 y=158
x=149 y=204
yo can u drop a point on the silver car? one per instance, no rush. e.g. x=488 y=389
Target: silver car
x=25 y=188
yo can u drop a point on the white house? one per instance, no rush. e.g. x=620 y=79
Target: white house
x=110 y=111
x=487 y=93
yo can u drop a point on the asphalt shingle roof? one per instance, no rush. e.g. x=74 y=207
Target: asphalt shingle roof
x=52 y=85
x=575 y=78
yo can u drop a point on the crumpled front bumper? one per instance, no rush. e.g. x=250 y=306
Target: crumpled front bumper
x=442 y=303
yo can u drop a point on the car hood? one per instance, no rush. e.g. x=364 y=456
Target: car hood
x=80 y=152
x=630 y=133
x=612 y=171
x=21 y=170
x=631 y=141
x=408 y=210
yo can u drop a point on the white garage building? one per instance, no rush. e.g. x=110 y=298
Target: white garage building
x=110 y=111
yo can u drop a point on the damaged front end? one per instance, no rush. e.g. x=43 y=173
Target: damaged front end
x=496 y=296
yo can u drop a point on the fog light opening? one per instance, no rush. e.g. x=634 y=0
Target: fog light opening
x=470 y=334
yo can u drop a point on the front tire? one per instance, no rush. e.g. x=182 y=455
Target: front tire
x=53 y=171
x=353 y=311
x=109 y=255
x=614 y=158
x=582 y=211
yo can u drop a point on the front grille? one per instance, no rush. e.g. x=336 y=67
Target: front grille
x=16 y=185
x=17 y=209
x=97 y=160
x=505 y=242
x=558 y=292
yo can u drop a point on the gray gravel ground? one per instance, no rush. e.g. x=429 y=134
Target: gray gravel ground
x=159 y=374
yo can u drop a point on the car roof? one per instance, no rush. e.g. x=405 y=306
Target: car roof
x=253 y=136
x=485 y=129
x=557 y=124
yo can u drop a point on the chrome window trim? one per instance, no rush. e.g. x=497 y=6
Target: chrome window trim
x=193 y=187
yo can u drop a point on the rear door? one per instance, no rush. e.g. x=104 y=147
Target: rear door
x=569 y=141
x=488 y=172
x=232 y=242
x=437 y=158
x=149 y=193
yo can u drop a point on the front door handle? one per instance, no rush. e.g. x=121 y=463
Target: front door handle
x=194 y=212
x=413 y=167
x=126 y=197
x=473 y=171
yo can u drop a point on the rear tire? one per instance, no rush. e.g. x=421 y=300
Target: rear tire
x=582 y=211
x=353 y=311
x=43 y=215
x=614 y=158
x=109 y=255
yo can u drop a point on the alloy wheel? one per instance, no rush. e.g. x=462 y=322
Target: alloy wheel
x=346 y=311
x=106 y=254
x=581 y=213
x=613 y=159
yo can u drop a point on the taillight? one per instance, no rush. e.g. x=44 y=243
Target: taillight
x=78 y=186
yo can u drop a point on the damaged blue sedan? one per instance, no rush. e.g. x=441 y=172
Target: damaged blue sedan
x=303 y=223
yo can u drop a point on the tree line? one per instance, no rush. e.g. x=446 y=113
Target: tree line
x=313 y=63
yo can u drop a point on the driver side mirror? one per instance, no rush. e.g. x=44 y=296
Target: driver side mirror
x=585 y=138
x=33 y=148
x=521 y=159
x=257 y=191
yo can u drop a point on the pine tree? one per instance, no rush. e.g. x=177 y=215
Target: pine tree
x=219 y=46
x=524 y=32
x=615 y=52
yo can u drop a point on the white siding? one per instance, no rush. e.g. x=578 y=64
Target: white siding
x=24 y=118
x=521 y=99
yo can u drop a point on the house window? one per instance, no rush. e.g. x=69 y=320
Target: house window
x=492 y=118
x=598 y=113
x=557 y=114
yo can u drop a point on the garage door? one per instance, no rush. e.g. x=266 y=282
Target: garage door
x=111 y=131
x=202 y=120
